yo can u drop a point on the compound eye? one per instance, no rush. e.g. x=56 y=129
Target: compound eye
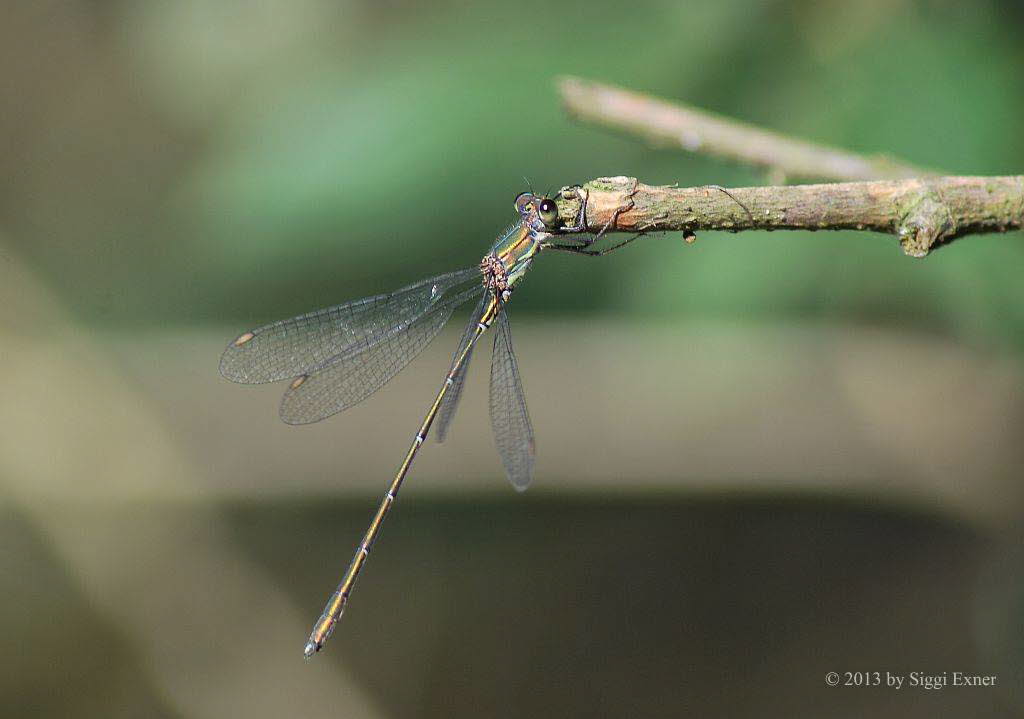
x=548 y=212
x=524 y=202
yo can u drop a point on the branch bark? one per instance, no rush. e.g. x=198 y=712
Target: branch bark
x=922 y=213
x=694 y=130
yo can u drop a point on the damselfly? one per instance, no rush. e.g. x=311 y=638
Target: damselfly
x=340 y=355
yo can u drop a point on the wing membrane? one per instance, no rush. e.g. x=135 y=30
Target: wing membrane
x=510 y=420
x=301 y=345
x=353 y=376
x=451 y=398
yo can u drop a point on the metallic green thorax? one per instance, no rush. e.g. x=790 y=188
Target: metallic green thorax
x=517 y=246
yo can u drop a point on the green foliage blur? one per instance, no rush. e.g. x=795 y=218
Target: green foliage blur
x=191 y=162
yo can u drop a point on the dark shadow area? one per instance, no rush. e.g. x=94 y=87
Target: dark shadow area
x=550 y=607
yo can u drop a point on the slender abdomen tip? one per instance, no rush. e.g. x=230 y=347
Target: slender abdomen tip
x=310 y=649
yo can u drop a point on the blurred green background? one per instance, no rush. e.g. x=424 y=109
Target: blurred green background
x=762 y=458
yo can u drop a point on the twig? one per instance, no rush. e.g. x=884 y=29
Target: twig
x=922 y=213
x=694 y=130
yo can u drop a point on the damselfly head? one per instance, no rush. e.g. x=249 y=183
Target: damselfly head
x=525 y=203
x=532 y=206
x=547 y=210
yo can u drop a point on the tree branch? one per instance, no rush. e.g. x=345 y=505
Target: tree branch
x=922 y=213
x=688 y=128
